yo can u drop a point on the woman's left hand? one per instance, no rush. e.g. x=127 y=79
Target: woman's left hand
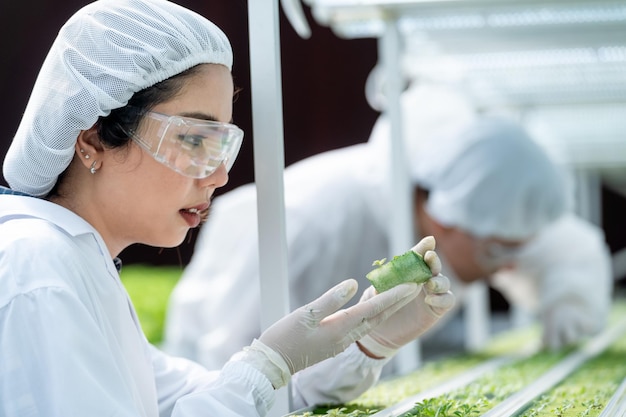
x=412 y=320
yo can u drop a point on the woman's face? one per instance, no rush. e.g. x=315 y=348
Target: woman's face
x=140 y=200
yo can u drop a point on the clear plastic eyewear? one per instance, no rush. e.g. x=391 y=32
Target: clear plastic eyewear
x=192 y=147
x=493 y=254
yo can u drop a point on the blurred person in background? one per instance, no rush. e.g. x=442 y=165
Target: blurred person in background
x=496 y=204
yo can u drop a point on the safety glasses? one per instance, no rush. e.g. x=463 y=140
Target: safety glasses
x=192 y=147
x=494 y=254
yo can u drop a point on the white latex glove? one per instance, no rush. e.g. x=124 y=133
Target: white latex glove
x=320 y=330
x=417 y=316
x=567 y=322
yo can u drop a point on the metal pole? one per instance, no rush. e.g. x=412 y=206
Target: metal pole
x=269 y=164
x=477 y=316
x=401 y=213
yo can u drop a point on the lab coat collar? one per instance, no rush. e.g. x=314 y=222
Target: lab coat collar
x=18 y=206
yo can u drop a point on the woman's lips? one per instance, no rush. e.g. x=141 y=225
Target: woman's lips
x=193 y=216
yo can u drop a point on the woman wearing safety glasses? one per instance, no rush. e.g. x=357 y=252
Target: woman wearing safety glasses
x=124 y=140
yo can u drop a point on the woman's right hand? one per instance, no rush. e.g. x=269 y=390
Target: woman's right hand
x=321 y=329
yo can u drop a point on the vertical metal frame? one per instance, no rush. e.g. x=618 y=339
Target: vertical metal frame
x=401 y=213
x=269 y=164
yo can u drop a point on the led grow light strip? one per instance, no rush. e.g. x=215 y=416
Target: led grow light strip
x=616 y=407
x=356 y=19
x=526 y=16
x=518 y=401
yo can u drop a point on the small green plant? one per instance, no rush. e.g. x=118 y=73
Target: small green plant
x=466 y=410
x=347 y=411
x=561 y=410
x=444 y=407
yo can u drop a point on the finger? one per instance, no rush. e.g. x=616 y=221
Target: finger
x=397 y=297
x=424 y=245
x=440 y=303
x=437 y=284
x=368 y=293
x=360 y=319
x=332 y=300
x=379 y=307
x=432 y=260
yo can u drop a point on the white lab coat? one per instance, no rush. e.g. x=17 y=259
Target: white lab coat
x=567 y=262
x=336 y=210
x=71 y=344
x=70 y=341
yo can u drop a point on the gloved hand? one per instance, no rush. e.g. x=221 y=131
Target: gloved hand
x=567 y=322
x=417 y=316
x=320 y=330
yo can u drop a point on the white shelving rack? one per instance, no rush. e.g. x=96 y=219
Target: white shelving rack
x=559 y=64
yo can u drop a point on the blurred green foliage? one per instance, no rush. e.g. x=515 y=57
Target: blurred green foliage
x=149 y=288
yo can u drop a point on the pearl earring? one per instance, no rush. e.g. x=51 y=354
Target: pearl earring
x=93 y=169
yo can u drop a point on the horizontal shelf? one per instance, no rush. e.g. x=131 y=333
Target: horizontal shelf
x=503 y=52
x=553 y=77
x=452 y=21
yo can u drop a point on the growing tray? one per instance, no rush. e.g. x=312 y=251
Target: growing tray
x=505 y=381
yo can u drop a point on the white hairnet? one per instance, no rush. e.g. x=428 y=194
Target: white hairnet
x=491 y=179
x=104 y=53
x=428 y=110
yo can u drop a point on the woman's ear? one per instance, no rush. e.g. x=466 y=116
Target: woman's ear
x=88 y=148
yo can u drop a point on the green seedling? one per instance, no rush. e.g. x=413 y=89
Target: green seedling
x=408 y=267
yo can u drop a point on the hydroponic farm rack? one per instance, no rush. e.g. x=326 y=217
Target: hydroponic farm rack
x=505 y=380
x=557 y=64
x=560 y=66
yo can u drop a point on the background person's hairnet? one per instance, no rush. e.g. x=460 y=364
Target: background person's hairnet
x=491 y=179
x=105 y=52
x=427 y=110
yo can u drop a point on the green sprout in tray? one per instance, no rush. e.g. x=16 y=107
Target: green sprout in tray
x=587 y=391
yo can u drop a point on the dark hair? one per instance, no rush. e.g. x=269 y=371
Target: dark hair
x=420 y=193
x=126 y=119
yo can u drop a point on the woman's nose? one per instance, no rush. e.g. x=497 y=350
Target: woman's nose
x=217 y=179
